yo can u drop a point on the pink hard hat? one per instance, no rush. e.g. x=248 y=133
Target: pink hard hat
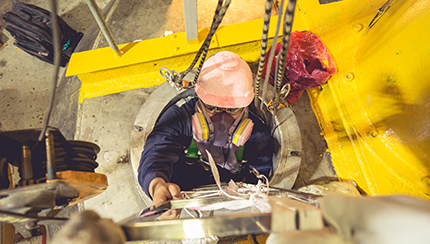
x=225 y=81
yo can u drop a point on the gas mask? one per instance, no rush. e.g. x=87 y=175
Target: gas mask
x=221 y=129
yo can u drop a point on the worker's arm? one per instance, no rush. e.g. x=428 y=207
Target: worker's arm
x=165 y=146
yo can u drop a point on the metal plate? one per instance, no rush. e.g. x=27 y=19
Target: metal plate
x=239 y=224
x=286 y=215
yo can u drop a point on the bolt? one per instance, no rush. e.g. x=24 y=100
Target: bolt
x=358 y=27
x=30 y=225
x=138 y=128
x=350 y=76
x=426 y=180
x=374 y=133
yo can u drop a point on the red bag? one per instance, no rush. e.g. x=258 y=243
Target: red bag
x=308 y=64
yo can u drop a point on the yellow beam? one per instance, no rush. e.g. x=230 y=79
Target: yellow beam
x=102 y=72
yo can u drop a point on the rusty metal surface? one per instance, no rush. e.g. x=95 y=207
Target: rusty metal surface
x=86 y=184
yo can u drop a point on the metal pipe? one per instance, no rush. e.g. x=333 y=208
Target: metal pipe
x=50 y=156
x=26 y=166
x=103 y=26
x=190 y=15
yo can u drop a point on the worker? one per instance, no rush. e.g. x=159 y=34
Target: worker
x=219 y=120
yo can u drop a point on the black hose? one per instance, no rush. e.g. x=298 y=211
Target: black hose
x=57 y=62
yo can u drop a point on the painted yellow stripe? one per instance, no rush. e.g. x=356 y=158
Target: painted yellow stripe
x=239 y=131
x=205 y=129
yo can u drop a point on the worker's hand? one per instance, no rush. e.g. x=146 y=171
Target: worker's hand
x=161 y=192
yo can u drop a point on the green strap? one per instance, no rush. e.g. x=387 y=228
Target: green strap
x=193 y=151
x=239 y=153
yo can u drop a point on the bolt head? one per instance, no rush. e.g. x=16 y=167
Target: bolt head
x=358 y=27
x=350 y=76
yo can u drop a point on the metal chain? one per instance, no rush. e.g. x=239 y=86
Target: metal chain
x=284 y=93
x=172 y=77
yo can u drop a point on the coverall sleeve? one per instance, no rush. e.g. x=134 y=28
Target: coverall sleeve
x=165 y=144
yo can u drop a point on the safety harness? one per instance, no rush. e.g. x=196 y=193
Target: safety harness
x=193 y=155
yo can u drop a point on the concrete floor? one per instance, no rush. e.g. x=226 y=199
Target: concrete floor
x=108 y=120
x=24 y=80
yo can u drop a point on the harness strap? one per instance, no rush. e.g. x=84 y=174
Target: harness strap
x=193 y=151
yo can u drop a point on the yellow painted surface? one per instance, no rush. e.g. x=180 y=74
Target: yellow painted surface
x=375 y=110
x=8 y=234
x=260 y=239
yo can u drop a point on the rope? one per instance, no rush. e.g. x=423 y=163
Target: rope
x=288 y=20
x=272 y=54
x=256 y=199
x=219 y=15
x=281 y=59
x=266 y=22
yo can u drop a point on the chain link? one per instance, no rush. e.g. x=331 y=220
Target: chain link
x=173 y=77
x=283 y=94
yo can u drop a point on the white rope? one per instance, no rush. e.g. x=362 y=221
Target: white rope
x=255 y=194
